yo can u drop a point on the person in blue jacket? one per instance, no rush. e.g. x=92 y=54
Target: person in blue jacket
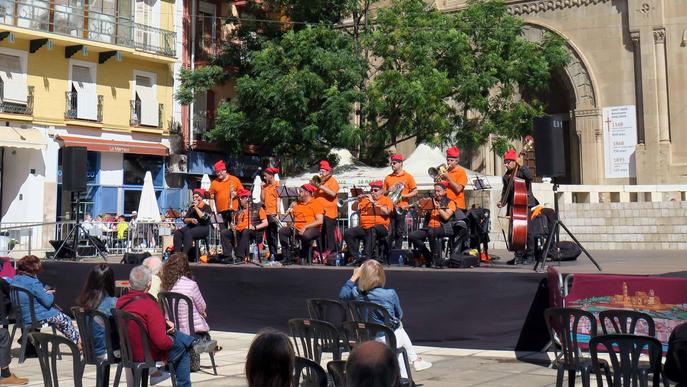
x=98 y=294
x=367 y=284
x=44 y=300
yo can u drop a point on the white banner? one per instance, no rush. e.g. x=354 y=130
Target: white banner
x=620 y=139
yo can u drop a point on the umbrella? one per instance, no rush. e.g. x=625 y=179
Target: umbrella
x=148 y=211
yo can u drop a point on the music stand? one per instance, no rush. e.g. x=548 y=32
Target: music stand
x=287 y=192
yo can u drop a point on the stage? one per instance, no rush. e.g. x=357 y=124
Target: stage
x=498 y=307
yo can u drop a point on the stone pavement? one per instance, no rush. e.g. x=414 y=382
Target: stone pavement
x=452 y=367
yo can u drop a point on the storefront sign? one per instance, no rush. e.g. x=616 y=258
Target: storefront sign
x=620 y=139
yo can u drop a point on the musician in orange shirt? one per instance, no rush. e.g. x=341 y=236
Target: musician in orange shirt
x=308 y=215
x=250 y=220
x=270 y=201
x=327 y=193
x=456 y=178
x=375 y=210
x=441 y=213
x=223 y=190
x=398 y=217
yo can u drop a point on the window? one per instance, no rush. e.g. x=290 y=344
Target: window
x=136 y=166
x=13 y=77
x=146 y=109
x=83 y=99
x=101 y=20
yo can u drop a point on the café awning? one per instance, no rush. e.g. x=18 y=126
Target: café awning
x=116 y=146
x=31 y=138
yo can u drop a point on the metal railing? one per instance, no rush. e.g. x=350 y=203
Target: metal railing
x=91 y=25
x=135 y=106
x=72 y=109
x=15 y=108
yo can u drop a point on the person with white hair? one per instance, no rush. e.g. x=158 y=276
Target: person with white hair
x=154 y=263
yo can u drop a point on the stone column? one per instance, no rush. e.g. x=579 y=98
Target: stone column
x=662 y=84
x=639 y=99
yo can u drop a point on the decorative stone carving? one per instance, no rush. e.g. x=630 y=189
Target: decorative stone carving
x=550 y=5
x=576 y=70
x=660 y=35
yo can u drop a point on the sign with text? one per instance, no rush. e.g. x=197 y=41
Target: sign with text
x=620 y=139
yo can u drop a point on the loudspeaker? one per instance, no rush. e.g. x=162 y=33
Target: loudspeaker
x=549 y=147
x=74 y=163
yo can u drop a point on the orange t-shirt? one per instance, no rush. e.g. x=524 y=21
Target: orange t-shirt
x=371 y=215
x=221 y=191
x=242 y=218
x=305 y=213
x=459 y=176
x=409 y=184
x=435 y=219
x=330 y=208
x=271 y=198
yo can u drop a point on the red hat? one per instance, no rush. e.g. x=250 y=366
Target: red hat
x=309 y=187
x=324 y=164
x=220 y=166
x=242 y=193
x=510 y=155
x=453 y=152
x=442 y=183
x=272 y=171
x=396 y=157
x=377 y=183
x=200 y=192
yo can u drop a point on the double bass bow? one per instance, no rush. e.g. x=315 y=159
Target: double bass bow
x=519 y=213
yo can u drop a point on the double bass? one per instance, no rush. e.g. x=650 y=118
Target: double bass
x=517 y=225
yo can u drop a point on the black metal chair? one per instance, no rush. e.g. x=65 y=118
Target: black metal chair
x=626 y=322
x=624 y=352
x=170 y=302
x=47 y=348
x=312 y=337
x=337 y=370
x=127 y=324
x=564 y=326
x=86 y=319
x=366 y=311
x=357 y=332
x=25 y=327
x=308 y=373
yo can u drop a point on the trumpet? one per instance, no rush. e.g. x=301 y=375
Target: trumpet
x=316 y=180
x=436 y=172
x=341 y=202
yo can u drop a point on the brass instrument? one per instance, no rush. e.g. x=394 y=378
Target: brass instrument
x=316 y=180
x=341 y=202
x=395 y=194
x=436 y=172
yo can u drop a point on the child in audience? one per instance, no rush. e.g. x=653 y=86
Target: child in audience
x=98 y=294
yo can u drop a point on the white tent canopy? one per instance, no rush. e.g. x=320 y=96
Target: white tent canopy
x=148 y=211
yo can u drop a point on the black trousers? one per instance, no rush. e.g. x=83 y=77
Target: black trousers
x=244 y=239
x=329 y=234
x=397 y=229
x=227 y=216
x=226 y=238
x=369 y=236
x=434 y=235
x=272 y=234
x=183 y=237
x=285 y=234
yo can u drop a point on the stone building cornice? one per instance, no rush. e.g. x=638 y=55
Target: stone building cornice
x=525 y=7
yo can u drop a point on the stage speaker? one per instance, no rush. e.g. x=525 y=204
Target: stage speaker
x=549 y=147
x=74 y=162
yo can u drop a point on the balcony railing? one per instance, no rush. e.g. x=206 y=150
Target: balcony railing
x=72 y=110
x=136 y=114
x=16 y=108
x=100 y=27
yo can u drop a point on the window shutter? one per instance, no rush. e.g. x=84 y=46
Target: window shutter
x=86 y=97
x=145 y=91
x=13 y=79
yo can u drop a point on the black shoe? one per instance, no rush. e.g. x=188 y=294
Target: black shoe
x=513 y=262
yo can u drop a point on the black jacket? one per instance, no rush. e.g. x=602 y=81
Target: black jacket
x=525 y=174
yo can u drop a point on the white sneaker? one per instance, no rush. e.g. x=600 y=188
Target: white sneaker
x=159 y=378
x=420 y=364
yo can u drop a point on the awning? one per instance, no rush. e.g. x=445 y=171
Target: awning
x=116 y=146
x=22 y=138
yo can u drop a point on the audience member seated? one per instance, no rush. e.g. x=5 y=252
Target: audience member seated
x=676 y=357
x=46 y=311
x=372 y=364
x=367 y=284
x=6 y=377
x=98 y=294
x=154 y=263
x=197 y=220
x=122 y=228
x=270 y=361
x=166 y=343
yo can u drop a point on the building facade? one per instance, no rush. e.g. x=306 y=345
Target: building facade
x=98 y=75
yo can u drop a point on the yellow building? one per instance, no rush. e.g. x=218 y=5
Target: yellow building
x=97 y=75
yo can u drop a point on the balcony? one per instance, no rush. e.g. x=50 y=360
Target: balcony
x=136 y=115
x=72 y=110
x=90 y=25
x=15 y=108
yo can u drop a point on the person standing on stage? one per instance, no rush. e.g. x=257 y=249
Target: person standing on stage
x=250 y=221
x=456 y=178
x=328 y=193
x=375 y=211
x=510 y=160
x=441 y=213
x=398 y=218
x=308 y=216
x=223 y=190
x=197 y=220
x=270 y=202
